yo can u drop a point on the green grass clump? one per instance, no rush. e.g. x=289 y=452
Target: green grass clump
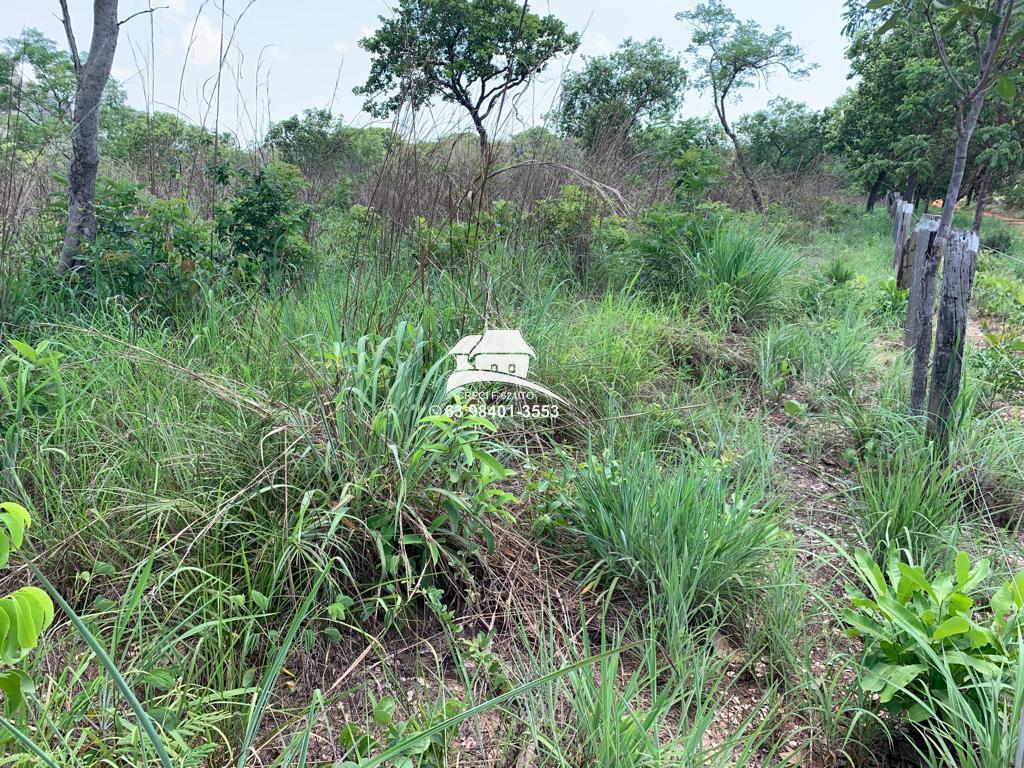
x=699 y=541
x=743 y=272
x=909 y=500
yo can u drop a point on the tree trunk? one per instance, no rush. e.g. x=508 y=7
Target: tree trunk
x=873 y=192
x=741 y=161
x=911 y=186
x=485 y=145
x=979 y=211
x=963 y=143
x=920 y=332
x=92 y=76
x=957 y=278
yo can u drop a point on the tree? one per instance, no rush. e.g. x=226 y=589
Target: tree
x=889 y=127
x=90 y=79
x=995 y=29
x=469 y=52
x=638 y=84
x=732 y=55
x=786 y=137
x=329 y=153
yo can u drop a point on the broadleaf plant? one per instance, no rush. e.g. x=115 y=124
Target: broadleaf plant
x=924 y=636
x=24 y=614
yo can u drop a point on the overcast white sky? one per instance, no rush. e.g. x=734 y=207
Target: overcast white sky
x=287 y=55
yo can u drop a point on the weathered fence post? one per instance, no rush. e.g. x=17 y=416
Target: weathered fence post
x=947 y=365
x=920 y=306
x=890 y=200
x=903 y=216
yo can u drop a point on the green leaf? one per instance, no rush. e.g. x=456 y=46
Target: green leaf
x=794 y=408
x=1006 y=88
x=874 y=5
x=16 y=686
x=163 y=678
x=23 y=349
x=892 y=678
x=261 y=600
x=963 y=568
x=384 y=711
x=332 y=634
x=870 y=571
x=954 y=625
x=891 y=22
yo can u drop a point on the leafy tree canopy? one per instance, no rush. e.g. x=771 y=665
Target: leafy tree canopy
x=730 y=55
x=786 y=136
x=468 y=52
x=637 y=84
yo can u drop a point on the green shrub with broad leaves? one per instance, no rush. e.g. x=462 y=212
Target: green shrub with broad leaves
x=1000 y=295
x=24 y=614
x=430 y=751
x=147 y=248
x=263 y=225
x=923 y=637
x=420 y=469
x=661 y=241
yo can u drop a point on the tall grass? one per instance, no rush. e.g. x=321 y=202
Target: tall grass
x=743 y=272
x=909 y=500
x=701 y=543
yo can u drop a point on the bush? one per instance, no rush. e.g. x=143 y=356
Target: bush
x=1000 y=295
x=697 y=540
x=925 y=640
x=263 y=225
x=408 y=464
x=1000 y=363
x=909 y=500
x=147 y=248
x=660 y=243
x=829 y=356
x=564 y=221
x=997 y=237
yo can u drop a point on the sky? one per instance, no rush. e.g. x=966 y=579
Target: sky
x=287 y=55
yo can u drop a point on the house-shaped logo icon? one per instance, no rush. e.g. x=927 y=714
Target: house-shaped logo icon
x=496 y=355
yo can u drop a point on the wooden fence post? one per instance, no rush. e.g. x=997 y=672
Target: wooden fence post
x=901 y=254
x=920 y=306
x=947 y=365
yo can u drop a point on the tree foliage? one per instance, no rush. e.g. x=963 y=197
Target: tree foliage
x=731 y=55
x=786 y=136
x=468 y=52
x=612 y=95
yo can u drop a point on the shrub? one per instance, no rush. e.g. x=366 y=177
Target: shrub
x=661 y=241
x=263 y=225
x=148 y=248
x=828 y=356
x=564 y=221
x=697 y=540
x=410 y=463
x=1000 y=295
x=839 y=271
x=926 y=639
x=24 y=614
x=1000 y=363
x=997 y=237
